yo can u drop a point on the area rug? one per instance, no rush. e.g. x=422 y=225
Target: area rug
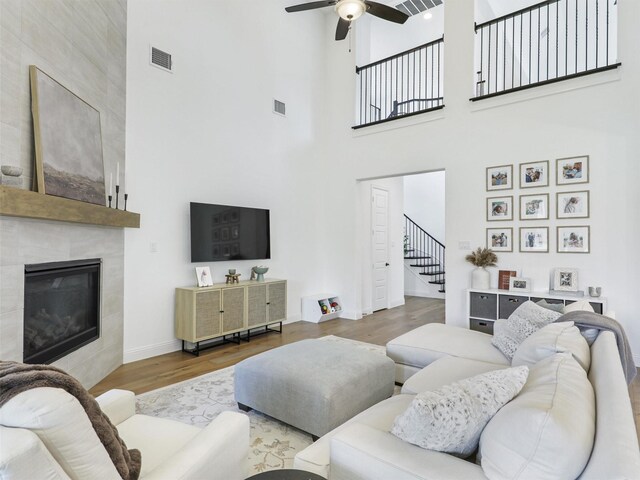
x=199 y=400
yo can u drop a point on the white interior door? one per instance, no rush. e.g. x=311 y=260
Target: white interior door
x=380 y=247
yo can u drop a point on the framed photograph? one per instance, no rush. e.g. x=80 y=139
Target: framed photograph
x=499 y=208
x=534 y=239
x=572 y=170
x=519 y=284
x=534 y=174
x=534 y=207
x=203 y=274
x=565 y=279
x=500 y=239
x=503 y=278
x=572 y=204
x=500 y=178
x=573 y=239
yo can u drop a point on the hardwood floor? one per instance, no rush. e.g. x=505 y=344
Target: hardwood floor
x=378 y=328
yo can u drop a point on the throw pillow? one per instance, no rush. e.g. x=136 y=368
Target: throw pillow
x=551 y=339
x=527 y=318
x=547 y=431
x=580 y=305
x=556 y=307
x=451 y=418
x=589 y=334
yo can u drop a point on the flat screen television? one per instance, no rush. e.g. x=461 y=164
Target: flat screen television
x=224 y=232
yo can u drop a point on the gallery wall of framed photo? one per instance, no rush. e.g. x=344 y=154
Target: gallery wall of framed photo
x=526 y=193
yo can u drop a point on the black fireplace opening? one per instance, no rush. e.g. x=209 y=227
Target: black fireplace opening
x=61 y=308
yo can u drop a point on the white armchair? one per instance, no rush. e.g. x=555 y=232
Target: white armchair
x=45 y=433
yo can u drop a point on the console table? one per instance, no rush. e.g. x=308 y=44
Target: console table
x=487 y=306
x=221 y=310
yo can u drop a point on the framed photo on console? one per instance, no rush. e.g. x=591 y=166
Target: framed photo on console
x=518 y=284
x=499 y=209
x=572 y=204
x=574 y=239
x=572 y=170
x=534 y=174
x=565 y=279
x=534 y=207
x=203 y=274
x=534 y=239
x=500 y=178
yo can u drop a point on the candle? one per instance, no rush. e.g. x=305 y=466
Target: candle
x=117 y=174
x=110 y=184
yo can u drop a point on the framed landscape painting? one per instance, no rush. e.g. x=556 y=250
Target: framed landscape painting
x=499 y=208
x=572 y=204
x=500 y=178
x=68 y=142
x=534 y=174
x=572 y=170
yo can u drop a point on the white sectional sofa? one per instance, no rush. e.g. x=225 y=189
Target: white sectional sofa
x=435 y=355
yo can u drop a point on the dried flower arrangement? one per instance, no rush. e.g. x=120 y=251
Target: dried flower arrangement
x=482 y=257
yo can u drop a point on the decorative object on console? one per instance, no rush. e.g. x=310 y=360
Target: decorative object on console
x=565 y=280
x=595 y=292
x=572 y=204
x=534 y=239
x=232 y=271
x=534 y=207
x=203 y=274
x=499 y=209
x=500 y=178
x=259 y=271
x=503 y=278
x=11 y=176
x=572 y=170
x=481 y=258
x=534 y=174
x=500 y=239
x=68 y=142
x=126 y=197
x=519 y=284
x=574 y=239
x=233 y=278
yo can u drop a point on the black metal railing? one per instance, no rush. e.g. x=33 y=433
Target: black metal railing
x=425 y=252
x=547 y=42
x=404 y=84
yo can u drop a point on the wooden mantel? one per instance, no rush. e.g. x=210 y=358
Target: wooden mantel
x=15 y=202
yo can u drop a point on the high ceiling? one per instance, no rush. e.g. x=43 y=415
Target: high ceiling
x=414 y=7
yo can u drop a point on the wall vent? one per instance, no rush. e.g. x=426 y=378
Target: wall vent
x=279 y=108
x=161 y=59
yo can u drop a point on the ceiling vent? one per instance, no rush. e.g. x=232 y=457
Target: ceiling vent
x=161 y=59
x=414 y=7
x=279 y=108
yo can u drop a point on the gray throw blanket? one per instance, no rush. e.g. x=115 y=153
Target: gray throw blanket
x=594 y=320
x=16 y=378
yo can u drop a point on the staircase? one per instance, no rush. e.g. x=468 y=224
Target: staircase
x=426 y=253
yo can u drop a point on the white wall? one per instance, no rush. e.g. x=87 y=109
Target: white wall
x=395 y=274
x=424 y=202
x=206 y=133
x=594 y=115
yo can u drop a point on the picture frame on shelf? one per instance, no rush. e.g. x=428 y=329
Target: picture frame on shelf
x=519 y=284
x=572 y=204
x=534 y=207
x=500 y=178
x=203 y=275
x=500 y=239
x=534 y=239
x=574 y=239
x=503 y=278
x=565 y=280
x=499 y=209
x=572 y=170
x=534 y=174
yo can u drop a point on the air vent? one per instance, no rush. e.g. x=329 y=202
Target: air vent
x=414 y=7
x=279 y=107
x=161 y=59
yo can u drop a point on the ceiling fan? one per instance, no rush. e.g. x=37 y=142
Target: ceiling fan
x=350 y=10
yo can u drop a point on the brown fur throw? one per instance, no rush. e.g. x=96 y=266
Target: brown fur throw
x=16 y=378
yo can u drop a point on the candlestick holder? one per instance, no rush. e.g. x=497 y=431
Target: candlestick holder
x=126 y=197
x=117 y=195
x=110 y=197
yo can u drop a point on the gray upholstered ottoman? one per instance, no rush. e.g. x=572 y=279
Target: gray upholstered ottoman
x=314 y=385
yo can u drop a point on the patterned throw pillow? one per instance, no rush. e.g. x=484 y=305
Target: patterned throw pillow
x=527 y=318
x=451 y=418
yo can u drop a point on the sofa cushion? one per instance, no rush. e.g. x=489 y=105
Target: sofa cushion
x=527 y=318
x=551 y=339
x=451 y=418
x=579 y=306
x=425 y=344
x=547 y=431
x=556 y=307
x=444 y=371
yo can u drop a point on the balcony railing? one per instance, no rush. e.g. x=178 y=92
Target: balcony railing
x=404 y=84
x=548 y=42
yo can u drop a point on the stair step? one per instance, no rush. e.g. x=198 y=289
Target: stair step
x=432 y=273
x=417 y=258
x=425 y=265
x=437 y=282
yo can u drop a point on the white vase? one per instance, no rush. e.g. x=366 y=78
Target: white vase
x=480 y=279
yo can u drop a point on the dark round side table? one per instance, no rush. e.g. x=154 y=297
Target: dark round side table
x=286 y=474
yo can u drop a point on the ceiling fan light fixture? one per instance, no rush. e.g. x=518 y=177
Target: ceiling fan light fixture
x=350 y=9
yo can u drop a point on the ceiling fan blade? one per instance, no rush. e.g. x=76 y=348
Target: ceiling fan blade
x=310 y=6
x=385 y=12
x=342 y=29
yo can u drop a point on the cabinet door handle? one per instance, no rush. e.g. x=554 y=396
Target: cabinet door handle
x=483 y=297
x=268 y=303
x=221 y=311
x=482 y=324
x=514 y=300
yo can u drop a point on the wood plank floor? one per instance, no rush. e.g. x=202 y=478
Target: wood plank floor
x=378 y=328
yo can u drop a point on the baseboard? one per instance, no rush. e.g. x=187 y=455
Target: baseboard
x=350 y=315
x=396 y=303
x=148 y=351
